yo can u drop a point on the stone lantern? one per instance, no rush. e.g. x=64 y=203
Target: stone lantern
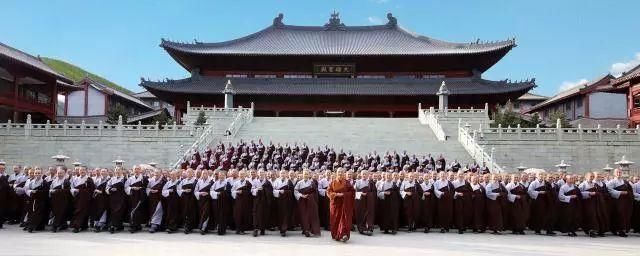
x=60 y=158
x=624 y=165
x=562 y=166
x=153 y=164
x=76 y=163
x=521 y=168
x=119 y=162
x=607 y=169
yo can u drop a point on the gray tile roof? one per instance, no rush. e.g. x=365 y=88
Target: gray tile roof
x=30 y=60
x=627 y=76
x=120 y=94
x=349 y=40
x=144 y=94
x=337 y=86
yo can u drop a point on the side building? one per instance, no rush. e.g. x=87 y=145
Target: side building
x=94 y=101
x=629 y=83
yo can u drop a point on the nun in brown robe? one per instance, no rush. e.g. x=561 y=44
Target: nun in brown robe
x=283 y=194
x=444 y=206
x=341 y=195
x=100 y=202
x=518 y=201
x=590 y=221
x=462 y=203
x=388 y=199
x=496 y=194
x=542 y=205
x=60 y=199
x=478 y=197
x=428 y=204
x=635 y=217
x=17 y=198
x=570 y=211
x=241 y=193
x=365 y=204
x=154 y=200
x=135 y=187
x=188 y=201
x=622 y=203
x=171 y=202
x=411 y=194
x=117 y=201
x=306 y=195
x=38 y=193
x=203 y=188
x=262 y=192
x=82 y=188
x=323 y=202
x=220 y=202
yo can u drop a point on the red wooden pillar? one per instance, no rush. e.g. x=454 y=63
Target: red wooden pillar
x=16 y=79
x=54 y=101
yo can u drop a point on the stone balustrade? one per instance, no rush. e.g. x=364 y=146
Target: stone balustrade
x=559 y=134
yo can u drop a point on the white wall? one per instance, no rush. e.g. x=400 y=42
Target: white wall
x=76 y=103
x=607 y=105
x=96 y=102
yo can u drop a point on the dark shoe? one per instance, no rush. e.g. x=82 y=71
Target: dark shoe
x=255 y=233
x=622 y=234
x=306 y=234
x=112 y=230
x=262 y=233
x=426 y=230
x=30 y=230
x=283 y=234
x=75 y=230
x=460 y=232
x=393 y=232
x=54 y=229
x=203 y=232
x=521 y=232
x=442 y=231
x=551 y=233
x=593 y=234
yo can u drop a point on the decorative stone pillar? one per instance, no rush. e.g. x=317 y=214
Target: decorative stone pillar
x=443 y=97
x=228 y=95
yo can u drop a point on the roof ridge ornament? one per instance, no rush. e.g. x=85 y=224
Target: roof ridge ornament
x=277 y=21
x=393 y=21
x=334 y=22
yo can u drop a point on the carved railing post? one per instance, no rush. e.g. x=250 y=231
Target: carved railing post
x=119 y=128
x=519 y=132
x=139 y=128
x=157 y=128
x=580 y=131
x=82 y=128
x=558 y=129
x=638 y=130
x=64 y=127
x=599 y=131
x=47 y=127
x=175 y=128
x=27 y=127
x=538 y=130
x=486 y=108
x=9 y=127
x=481 y=131
x=500 y=131
x=100 y=128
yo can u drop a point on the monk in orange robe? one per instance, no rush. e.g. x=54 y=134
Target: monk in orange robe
x=341 y=195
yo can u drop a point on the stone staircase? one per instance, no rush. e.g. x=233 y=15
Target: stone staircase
x=359 y=135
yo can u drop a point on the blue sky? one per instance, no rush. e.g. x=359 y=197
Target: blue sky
x=560 y=42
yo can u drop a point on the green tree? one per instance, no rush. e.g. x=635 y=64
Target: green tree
x=114 y=112
x=535 y=120
x=506 y=116
x=202 y=118
x=554 y=116
x=162 y=119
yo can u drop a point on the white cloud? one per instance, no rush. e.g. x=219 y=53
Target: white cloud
x=375 y=20
x=566 y=85
x=618 y=68
x=382 y=1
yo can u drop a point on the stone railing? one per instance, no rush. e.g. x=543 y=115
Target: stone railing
x=431 y=119
x=100 y=129
x=461 y=112
x=477 y=152
x=209 y=135
x=561 y=134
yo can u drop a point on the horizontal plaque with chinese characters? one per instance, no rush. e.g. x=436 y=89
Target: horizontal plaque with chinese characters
x=334 y=69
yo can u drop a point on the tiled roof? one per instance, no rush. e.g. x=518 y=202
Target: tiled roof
x=142 y=95
x=604 y=80
x=531 y=96
x=390 y=39
x=337 y=86
x=627 y=76
x=146 y=115
x=120 y=94
x=30 y=60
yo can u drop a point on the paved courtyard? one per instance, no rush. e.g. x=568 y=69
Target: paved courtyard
x=14 y=241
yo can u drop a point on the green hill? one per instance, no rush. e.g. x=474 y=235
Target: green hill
x=76 y=73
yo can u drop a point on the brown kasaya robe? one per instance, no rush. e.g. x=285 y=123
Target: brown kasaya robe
x=100 y=202
x=204 y=208
x=412 y=205
x=171 y=208
x=365 y=207
x=189 y=206
x=341 y=207
x=5 y=190
x=117 y=204
x=543 y=210
x=595 y=212
x=479 y=210
x=60 y=200
x=285 y=202
x=138 y=213
x=17 y=204
x=308 y=210
x=495 y=210
x=38 y=214
x=390 y=209
x=82 y=204
x=622 y=209
x=427 y=213
x=519 y=210
x=219 y=209
x=323 y=210
x=462 y=207
x=262 y=205
x=570 y=214
x=242 y=208
x=444 y=209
